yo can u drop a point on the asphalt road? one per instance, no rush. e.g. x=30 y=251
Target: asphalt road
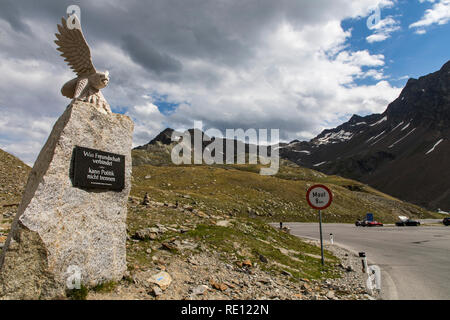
x=415 y=261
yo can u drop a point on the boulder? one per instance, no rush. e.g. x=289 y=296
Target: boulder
x=146 y=200
x=145 y=234
x=61 y=231
x=157 y=291
x=263 y=259
x=330 y=295
x=162 y=279
x=223 y=223
x=200 y=290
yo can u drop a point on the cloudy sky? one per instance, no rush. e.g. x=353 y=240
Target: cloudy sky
x=295 y=65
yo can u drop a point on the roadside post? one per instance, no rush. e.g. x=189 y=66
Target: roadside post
x=319 y=197
x=373 y=274
x=363 y=257
x=331 y=238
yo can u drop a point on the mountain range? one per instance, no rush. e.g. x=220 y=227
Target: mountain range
x=405 y=151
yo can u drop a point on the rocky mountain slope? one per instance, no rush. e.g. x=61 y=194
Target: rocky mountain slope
x=404 y=151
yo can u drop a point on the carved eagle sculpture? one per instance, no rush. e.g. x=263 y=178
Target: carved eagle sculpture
x=86 y=87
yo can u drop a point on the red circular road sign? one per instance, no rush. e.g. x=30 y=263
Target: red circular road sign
x=319 y=197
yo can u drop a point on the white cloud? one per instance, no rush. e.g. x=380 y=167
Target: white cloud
x=375 y=74
x=438 y=14
x=403 y=78
x=23 y=135
x=377 y=37
x=288 y=67
x=148 y=122
x=147 y=110
x=361 y=58
x=383 y=30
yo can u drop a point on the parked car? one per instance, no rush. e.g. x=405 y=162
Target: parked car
x=360 y=223
x=407 y=223
x=374 y=224
x=365 y=223
x=446 y=221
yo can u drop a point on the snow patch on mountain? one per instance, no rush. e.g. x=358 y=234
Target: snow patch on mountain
x=319 y=164
x=376 y=137
x=400 y=140
x=434 y=147
x=377 y=141
x=303 y=151
x=406 y=127
x=287 y=146
x=379 y=122
x=398 y=125
x=358 y=124
x=334 y=137
x=291 y=144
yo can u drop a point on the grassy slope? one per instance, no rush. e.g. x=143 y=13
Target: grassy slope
x=243 y=239
x=235 y=189
x=13 y=176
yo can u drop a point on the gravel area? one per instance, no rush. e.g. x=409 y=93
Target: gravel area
x=206 y=276
x=352 y=285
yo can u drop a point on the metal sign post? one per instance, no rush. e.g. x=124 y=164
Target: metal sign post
x=319 y=197
x=321 y=239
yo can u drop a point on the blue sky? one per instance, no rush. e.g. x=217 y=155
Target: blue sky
x=299 y=66
x=406 y=53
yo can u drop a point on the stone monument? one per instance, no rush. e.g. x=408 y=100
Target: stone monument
x=70 y=228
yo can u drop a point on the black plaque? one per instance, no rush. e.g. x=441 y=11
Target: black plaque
x=95 y=169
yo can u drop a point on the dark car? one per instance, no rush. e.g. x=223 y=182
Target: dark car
x=365 y=223
x=446 y=221
x=408 y=223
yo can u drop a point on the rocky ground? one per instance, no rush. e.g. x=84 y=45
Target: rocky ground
x=206 y=277
x=174 y=267
x=186 y=270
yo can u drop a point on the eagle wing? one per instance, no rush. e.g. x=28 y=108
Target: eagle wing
x=75 y=50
